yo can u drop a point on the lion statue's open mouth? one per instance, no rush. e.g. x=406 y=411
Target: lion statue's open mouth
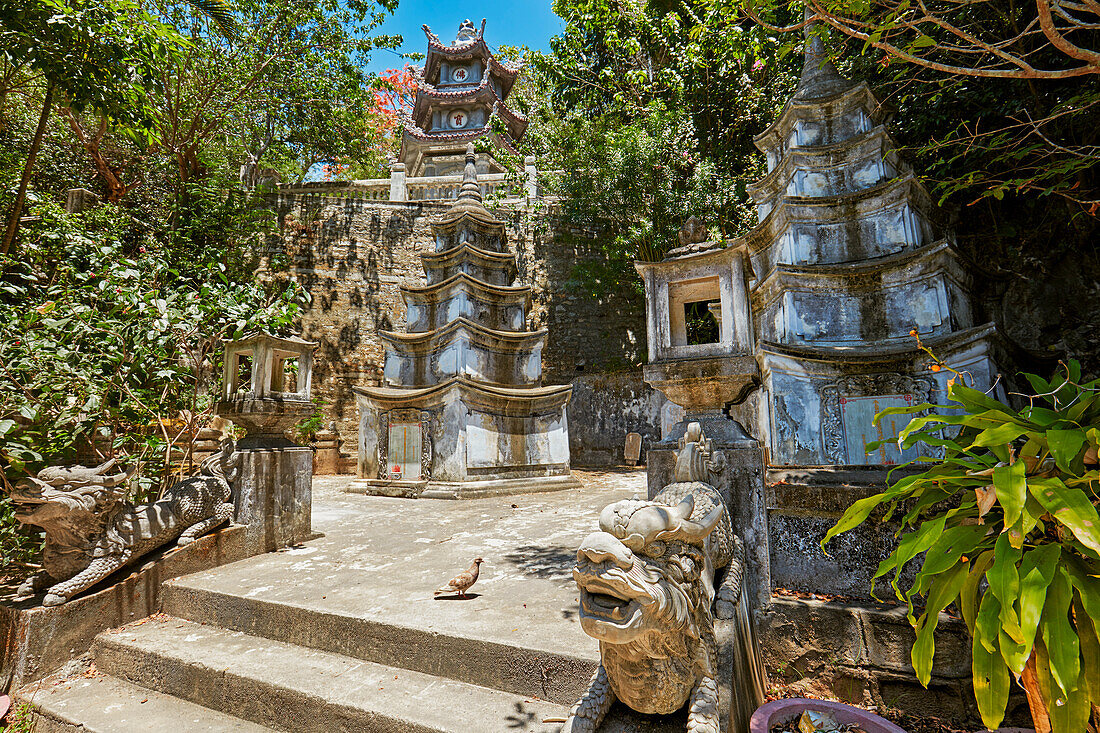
x=609 y=605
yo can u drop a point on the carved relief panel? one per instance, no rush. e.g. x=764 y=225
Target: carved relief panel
x=848 y=408
x=404 y=445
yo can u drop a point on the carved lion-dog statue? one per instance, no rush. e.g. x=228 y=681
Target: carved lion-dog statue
x=647 y=594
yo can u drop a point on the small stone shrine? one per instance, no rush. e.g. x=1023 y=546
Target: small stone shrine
x=463 y=412
x=460 y=90
x=266 y=391
x=701 y=279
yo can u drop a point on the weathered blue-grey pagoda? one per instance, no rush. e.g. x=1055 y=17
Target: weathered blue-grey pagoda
x=818 y=303
x=463 y=412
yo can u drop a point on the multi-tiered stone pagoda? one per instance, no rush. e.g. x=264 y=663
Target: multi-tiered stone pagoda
x=850 y=259
x=460 y=90
x=817 y=304
x=463 y=412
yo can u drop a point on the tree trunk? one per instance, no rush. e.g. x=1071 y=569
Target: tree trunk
x=21 y=196
x=111 y=175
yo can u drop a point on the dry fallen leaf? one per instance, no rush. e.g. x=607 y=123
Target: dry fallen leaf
x=986 y=498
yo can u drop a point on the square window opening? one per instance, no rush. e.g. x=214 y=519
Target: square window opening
x=700 y=323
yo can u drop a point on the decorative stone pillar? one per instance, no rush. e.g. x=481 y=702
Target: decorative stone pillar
x=398 y=191
x=274 y=487
x=79 y=199
x=530 y=175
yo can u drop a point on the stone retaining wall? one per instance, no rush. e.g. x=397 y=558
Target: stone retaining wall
x=860 y=654
x=604 y=408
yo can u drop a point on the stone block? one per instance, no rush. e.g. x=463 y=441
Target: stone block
x=38 y=640
x=273 y=495
x=890 y=638
x=810 y=635
x=949 y=701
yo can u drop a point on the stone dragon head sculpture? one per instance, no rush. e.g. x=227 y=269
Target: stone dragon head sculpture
x=72 y=505
x=646 y=582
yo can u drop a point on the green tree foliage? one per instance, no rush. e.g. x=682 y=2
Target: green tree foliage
x=100 y=55
x=94 y=55
x=289 y=85
x=649 y=109
x=111 y=320
x=1007 y=521
x=110 y=340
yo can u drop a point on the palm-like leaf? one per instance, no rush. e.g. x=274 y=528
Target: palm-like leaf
x=219 y=12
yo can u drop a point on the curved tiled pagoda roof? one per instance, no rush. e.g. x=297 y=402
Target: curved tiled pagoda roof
x=420 y=142
x=483 y=92
x=467 y=49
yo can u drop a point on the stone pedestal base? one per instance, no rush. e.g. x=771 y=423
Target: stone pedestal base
x=274 y=494
x=463 y=489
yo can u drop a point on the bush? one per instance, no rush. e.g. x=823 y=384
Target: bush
x=108 y=348
x=1007 y=521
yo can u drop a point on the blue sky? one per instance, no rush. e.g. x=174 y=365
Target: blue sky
x=517 y=23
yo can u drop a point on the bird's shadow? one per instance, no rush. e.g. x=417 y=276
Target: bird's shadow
x=457 y=597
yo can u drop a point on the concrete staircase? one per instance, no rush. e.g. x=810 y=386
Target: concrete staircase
x=342 y=634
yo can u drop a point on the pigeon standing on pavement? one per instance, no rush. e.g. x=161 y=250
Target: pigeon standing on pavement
x=461 y=582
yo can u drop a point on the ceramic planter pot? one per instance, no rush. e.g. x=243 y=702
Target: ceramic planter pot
x=782 y=711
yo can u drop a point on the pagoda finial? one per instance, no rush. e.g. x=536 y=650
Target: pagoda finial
x=470 y=189
x=819 y=76
x=466 y=32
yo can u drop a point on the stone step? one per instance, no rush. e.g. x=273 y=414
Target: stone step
x=496 y=659
x=293 y=688
x=364 y=589
x=104 y=704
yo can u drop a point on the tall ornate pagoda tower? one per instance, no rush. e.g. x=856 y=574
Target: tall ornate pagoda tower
x=463 y=412
x=460 y=90
x=849 y=258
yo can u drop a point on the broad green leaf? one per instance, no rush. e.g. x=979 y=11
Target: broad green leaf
x=1004 y=583
x=999 y=435
x=1086 y=583
x=968 y=595
x=987 y=623
x=1069 y=506
x=975 y=400
x=853 y=516
x=991 y=679
x=944 y=589
x=1059 y=637
x=1036 y=571
x=1011 y=484
x=1090 y=650
x=1073 y=715
x=1064 y=446
x=914 y=543
x=950 y=546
